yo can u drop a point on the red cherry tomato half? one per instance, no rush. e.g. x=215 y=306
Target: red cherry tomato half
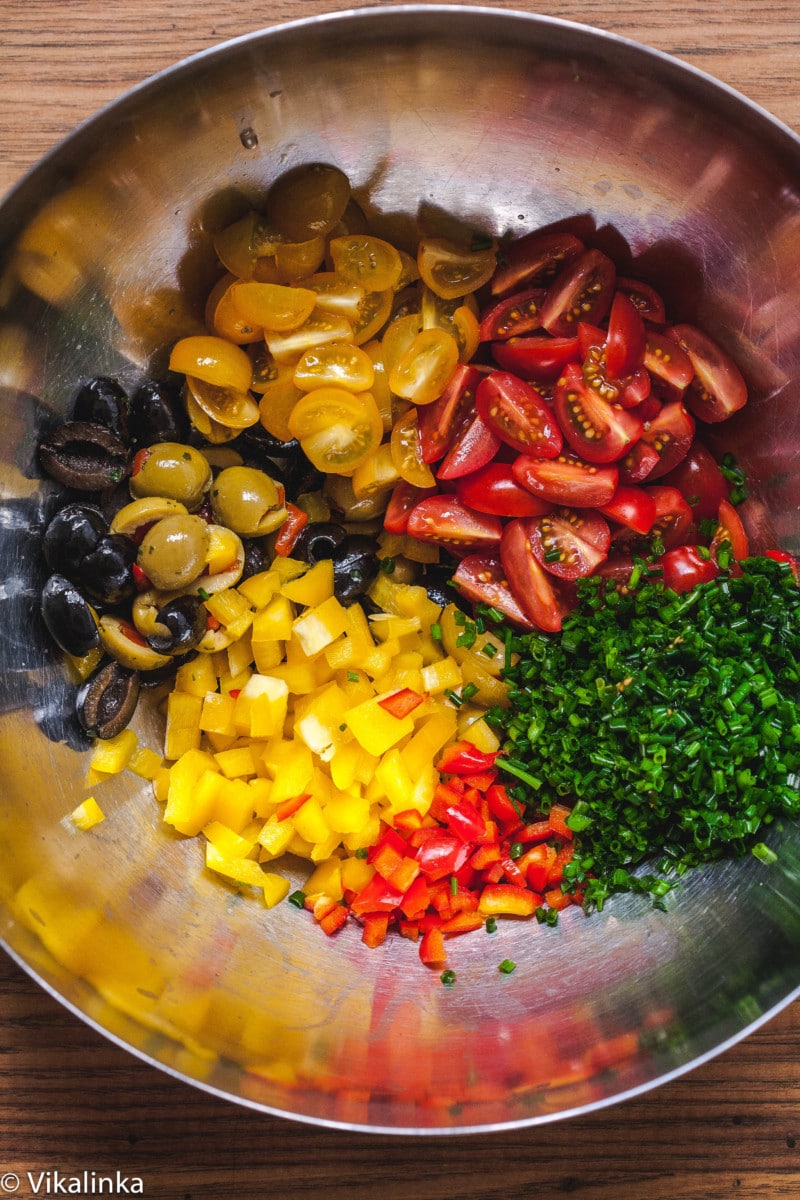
x=482 y=579
x=518 y=415
x=673 y=515
x=616 y=569
x=684 y=567
x=730 y=530
x=625 y=344
x=515 y=315
x=570 y=543
x=782 y=556
x=582 y=291
x=670 y=433
x=544 y=599
x=700 y=481
x=403 y=499
x=449 y=523
x=474 y=446
x=665 y=359
x=596 y=430
x=567 y=480
x=495 y=490
x=534 y=258
x=540 y=358
x=718 y=388
x=644 y=297
x=636 y=465
x=632 y=507
x=438 y=423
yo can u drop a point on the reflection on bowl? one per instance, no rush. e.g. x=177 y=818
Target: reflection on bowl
x=443 y=119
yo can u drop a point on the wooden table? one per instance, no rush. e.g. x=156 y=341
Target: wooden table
x=69 y=1101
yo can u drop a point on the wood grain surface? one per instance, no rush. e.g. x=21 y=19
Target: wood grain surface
x=69 y=1100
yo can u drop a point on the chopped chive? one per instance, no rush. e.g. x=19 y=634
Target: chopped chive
x=448 y=978
x=468 y=691
x=507 y=966
x=436 y=631
x=353 y=677
x=489 y=649
x=453 y=886
x=387 y=565
x=362 y=852
x=453 y=697
x=203 y=594
x=516 y=850
x=298 y=899
x=491 y=924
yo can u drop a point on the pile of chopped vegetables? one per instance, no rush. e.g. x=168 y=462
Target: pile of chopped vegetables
x=449 y=597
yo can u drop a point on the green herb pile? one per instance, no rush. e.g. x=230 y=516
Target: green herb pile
x=671 y=723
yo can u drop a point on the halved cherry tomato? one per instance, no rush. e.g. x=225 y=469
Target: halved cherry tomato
x=403 y=499
x=570 y=543
x=407 y=453
x=644 y=298
x=474 y=446
x=494 y=489
x=518 y=415
x=673 y=515
x=636 y=465
x=423 y=370
x=544 y=599
x=449 y=523
x=566 y=480
x=482 y=579
x=534 y=257
x=452 y=270
x=684 y=567
x=517 y=314
x=336 y=429
x=700 y=481
x=730 y=531
x=670 y=433
x=665 y=359
x=439 y=422
x=598 y=431
x=540 y=358
x=625 y=344
x=582 y=291
x=718 y=388
x=632 y=507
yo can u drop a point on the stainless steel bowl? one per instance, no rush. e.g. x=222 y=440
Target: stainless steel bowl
x=440 y=116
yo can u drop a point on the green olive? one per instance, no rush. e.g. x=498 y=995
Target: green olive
x=247 y=501
x=173 y=552
x=171 y=470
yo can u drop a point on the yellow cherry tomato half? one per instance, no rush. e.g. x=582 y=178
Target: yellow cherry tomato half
x=368 y=261
x=377 y=474
x=223 y=319
x=373 y=313
x=335 y=295
x=451 y=270
x=338 y=430
x=236 y=410
x=423 y=370
x=337 y=364
x=407 y=454
x=309 y=201
x=214 y=360
x=273 y=306
x=398 y=336
x=320 y=329
x=467 y=332
x=294 y=260
x=240 y=245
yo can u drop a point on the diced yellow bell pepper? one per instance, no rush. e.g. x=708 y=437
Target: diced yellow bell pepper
x=233 y=804
x=240 y=655
x=273 y=623
x=145 y=763
x=267 y=655
x=441 y=675
x=291 y=766
x=394 y=780
x=433 y=733
x=288 y=568
x=300 y=846
x=355 y=873
x=375 y=728
x=260 y=790
x=259 y=589
x=310 y=823
x=197 y=677
x=347 y=812
x=112 y=755
x=351 y=764
x=220 y=741
x=222 y=549
x=240 y=870
x=276 y=836
x=301 y=679
x=326 y=880
x=261 y=706
x=313 y=587
x=82 y=667
x=183 y=724
x=386 y=625
x=320 y=851
x=229 y=607
x=379 y=660
x=192 y=799
x=424 y=788
x=276 y=888
x=365 y=837
x=228 y=842
x=216 y=715
x=87 y=815
x=482 y=736
x=239 y=762
x=317 y=627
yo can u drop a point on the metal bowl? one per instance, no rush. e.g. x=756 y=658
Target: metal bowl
x=440 y=116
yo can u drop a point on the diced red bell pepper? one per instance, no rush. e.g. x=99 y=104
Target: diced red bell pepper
x=481 y=782
x=462 y=758
x=558 y=821
x=334 y=920
x=462 y=922
x=442 y=854
x=555 y=898
x=389 y=837
x=386 y=859
x=536 y=831
x=494 y=873
x=293 y=525
x=408 y=820
x=401 y=703
x=501 y=805
x=485 y=855
x=289 y=807
x=431 y=948
x=444 y=797
x=416 y=899
x=409 y=929
x=404 y=874
x=504 y=899
x=512 y=871
x=556 y=872
x=464 y=820
x=376 y=896
x=376 y=926
x=535 y=864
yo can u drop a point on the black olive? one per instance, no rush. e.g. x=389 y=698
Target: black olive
x=106 y=573
x=166 y=673
x=68 y=617
x=180 y=625
x=318 y=541
x=257 y=444
x=73 y=533
x=108 y=699
x=435 y=578
x=83 y=455
x=300 y=475
x=255 y=557
x=355 y=566
x=156 y=413
x=102 y=401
